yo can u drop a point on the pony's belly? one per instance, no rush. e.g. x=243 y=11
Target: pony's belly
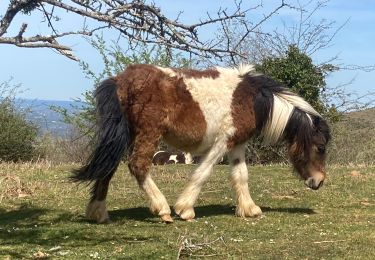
x=183 y=141
x=219 y=129
x=190 y=144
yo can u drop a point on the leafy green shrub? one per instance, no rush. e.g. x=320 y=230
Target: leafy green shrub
x=17 y=134
x=296 y=71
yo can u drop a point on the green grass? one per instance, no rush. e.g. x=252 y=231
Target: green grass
x=41 y=215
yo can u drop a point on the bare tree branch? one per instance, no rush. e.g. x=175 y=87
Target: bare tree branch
x=135 y=20
x=310 y=36
x=266 y=17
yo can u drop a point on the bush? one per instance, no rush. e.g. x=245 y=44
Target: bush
x=17 y=135
x=297 y=71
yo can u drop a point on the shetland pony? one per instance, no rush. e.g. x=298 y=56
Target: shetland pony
x=166 y=157
x=211 y=113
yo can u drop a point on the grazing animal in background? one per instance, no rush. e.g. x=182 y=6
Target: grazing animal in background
x=165 y=157
x=210 y=112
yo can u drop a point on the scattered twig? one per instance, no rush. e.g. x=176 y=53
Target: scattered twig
x=187 y=247
x=328 y=241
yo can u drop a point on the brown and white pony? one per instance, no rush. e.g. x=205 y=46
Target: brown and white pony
x=210 y=112
x=167 y=157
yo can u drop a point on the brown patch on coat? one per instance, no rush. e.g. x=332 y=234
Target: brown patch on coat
x=243 y=113
x=141 y=157
x=187 y=125
x=191 y=73
x=158 y=106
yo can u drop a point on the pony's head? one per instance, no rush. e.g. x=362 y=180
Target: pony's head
x=283 y=115
x=307 y=138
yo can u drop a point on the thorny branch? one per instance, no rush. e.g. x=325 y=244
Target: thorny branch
x=188 y=248
x=135 y=20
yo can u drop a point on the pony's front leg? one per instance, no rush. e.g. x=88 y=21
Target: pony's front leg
x=185 y=203
x=139 y=165
x=239 y=176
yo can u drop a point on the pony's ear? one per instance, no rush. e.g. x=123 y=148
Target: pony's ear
x=316 y=123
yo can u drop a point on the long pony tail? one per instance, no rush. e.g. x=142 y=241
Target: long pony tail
x=113 y=135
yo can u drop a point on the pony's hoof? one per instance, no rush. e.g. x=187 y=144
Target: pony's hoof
x=186 y=214
x=104 y=221
x=99 y=219
x=251 y=211
x=97 y=211
x=256 y=211
x=167 y=218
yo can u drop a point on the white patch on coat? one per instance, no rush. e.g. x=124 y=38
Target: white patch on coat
x=173 y=158
x=214 y=96
x=283 y=106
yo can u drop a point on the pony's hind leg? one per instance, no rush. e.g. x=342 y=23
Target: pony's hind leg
x=96 y=209
x=239 y=175
x=139 y=165
x=184 y=205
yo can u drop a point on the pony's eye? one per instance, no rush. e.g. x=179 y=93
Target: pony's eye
x=321 y=149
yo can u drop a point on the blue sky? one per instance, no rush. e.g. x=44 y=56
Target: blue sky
x=45 y=74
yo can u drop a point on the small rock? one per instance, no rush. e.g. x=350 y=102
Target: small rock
x=40 y=254
x=355 y=173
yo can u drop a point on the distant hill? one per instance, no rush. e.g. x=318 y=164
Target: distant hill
x=361 y=119
x=354 y=138
x=40 y=113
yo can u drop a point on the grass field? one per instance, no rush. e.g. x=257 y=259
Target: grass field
x=354 y=139
x=41 y=216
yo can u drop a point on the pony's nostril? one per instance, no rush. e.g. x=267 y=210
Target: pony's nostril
x=310 y=182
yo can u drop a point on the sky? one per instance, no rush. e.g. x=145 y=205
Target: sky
x=46 y=75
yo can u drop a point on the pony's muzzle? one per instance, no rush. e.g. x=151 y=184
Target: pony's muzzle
x=314 y=183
